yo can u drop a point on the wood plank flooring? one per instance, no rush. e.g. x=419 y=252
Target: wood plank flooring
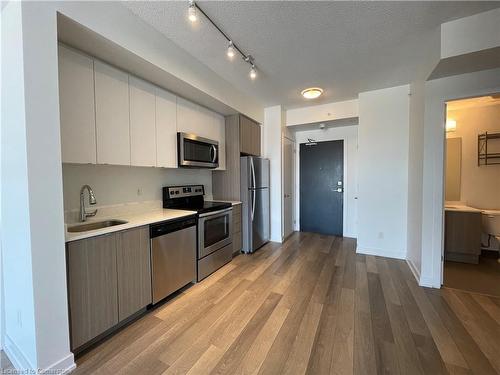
x=308 y=306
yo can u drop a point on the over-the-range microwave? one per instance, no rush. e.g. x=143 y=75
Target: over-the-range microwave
x=197 y=152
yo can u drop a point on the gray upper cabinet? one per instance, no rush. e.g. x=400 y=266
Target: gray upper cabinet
x=77 y=111
x=249 y=136
x=134 y=271
x=92 y=284
x=242 y=137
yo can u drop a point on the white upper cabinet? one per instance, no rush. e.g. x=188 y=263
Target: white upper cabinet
x=77 y=111
x=142 y=123
x=166 y=129
x=112 y=115
x=191 y=119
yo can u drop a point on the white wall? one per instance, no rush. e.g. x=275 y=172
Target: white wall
x=123 y=184
x=349 y=134
x=437 y=92
x=470 y=34
x=20 y=336
x=383 y=171
x=274 y=121
x=415 y=171
x=323 y=112
x=479 y=184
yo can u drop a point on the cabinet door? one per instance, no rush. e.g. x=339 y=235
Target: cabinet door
x=77 y=110
x=134 y=271
x=245 y=136
x=142 y=123
x=249 y=136
x=256 y=140
x=195 y=119
x=112 y=115
x=166 y=129
x=219 y=126
x=190 y=118
x=92 y=284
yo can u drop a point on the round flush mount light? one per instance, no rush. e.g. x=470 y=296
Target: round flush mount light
x=312 y=92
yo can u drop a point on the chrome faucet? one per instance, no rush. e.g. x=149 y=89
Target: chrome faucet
x=92 y=201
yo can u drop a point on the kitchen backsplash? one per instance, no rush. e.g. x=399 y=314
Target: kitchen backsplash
x=123 y=187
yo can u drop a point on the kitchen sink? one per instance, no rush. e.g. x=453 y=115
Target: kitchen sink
x=96 y=225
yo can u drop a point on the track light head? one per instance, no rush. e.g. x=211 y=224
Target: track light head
x=192 y=16
x=253 y=72
x=230 y=50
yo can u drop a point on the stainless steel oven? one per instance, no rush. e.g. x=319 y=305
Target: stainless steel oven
x=198 y=152
x=214 y=231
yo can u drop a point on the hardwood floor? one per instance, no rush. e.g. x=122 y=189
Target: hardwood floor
x=308 y=306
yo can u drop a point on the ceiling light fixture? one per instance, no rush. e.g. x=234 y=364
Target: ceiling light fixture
x=192 y=11
x=253 y=72
x=312 y=92
x=232 y=48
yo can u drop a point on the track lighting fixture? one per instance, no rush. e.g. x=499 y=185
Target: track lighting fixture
x=192 y=11
x=232 y=48
x=253 y=72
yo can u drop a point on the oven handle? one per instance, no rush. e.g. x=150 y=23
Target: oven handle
x=215 y=212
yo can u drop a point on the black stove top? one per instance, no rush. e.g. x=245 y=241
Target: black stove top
x=190 y=198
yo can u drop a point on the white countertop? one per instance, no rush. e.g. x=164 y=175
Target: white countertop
x=461 y=208
x=133 y=221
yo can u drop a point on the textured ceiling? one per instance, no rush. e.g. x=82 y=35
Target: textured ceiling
x=344 y=47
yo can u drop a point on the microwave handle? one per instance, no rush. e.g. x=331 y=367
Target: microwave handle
x=214 y=158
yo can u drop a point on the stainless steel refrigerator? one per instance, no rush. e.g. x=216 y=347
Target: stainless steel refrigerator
x=255 y=202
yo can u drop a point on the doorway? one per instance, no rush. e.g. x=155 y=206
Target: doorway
x=472 y=203
x=288 y=187
x=322 y=187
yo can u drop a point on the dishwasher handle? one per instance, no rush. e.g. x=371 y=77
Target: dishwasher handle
x=161 y=229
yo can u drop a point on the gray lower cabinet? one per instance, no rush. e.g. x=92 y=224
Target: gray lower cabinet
x=109 y=279
x=237 y=239
x=134 y=271
x=462 y=240
x=92 y=285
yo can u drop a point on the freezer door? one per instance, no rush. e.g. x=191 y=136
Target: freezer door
x=258 y=172
x=260 y=220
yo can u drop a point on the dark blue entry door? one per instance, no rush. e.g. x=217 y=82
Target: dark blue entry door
x=322 y=187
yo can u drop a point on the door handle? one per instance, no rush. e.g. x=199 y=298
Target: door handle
x=253 y=204
x=339 y=190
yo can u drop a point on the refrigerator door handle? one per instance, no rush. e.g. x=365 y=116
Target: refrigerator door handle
x=253 y=203
x=252 y=168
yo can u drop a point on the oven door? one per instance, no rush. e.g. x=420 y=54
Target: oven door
x=197 y=152
x=214 y=231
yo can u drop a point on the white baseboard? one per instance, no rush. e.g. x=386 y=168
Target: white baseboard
x=63 y=366
x=16 y=355
x=428 y=282
x=381 y=253
x=21 y=362
x=413 y=269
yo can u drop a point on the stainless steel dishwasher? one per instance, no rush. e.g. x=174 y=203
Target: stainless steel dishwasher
x=173 y=256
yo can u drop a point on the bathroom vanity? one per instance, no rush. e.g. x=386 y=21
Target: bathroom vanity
x=462 y=241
